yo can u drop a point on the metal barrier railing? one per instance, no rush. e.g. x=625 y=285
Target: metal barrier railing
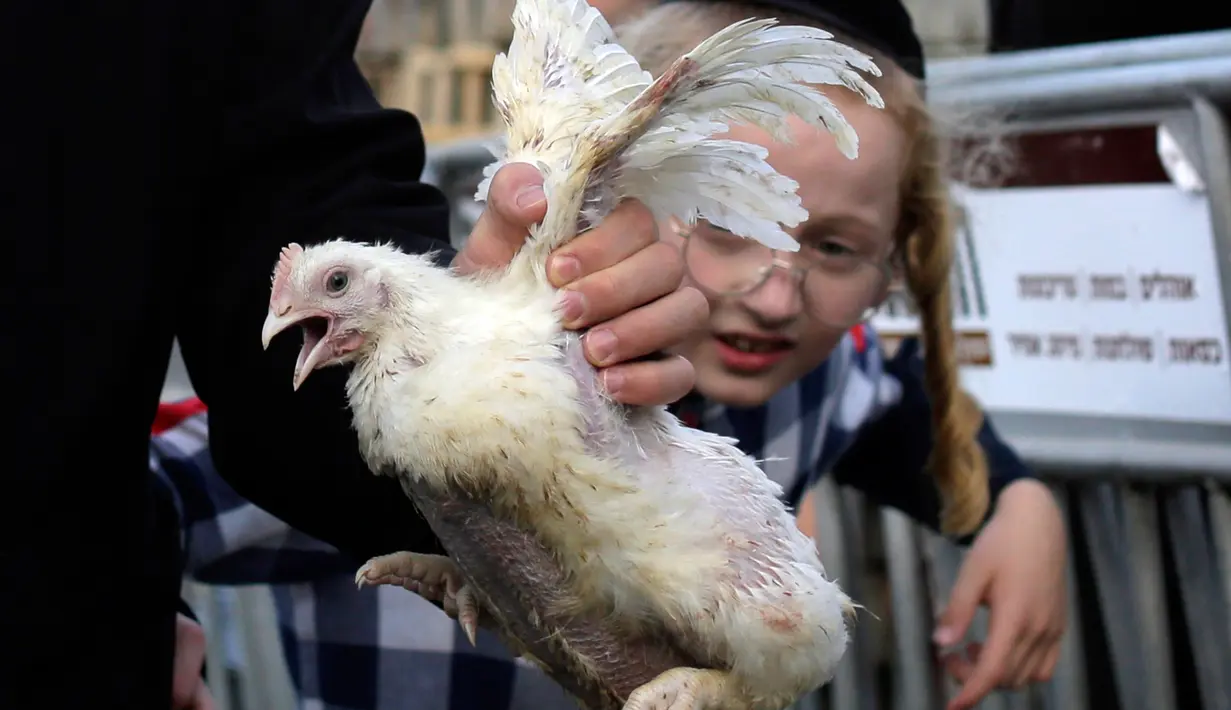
x=1126 y=74
x=1128 y=537
x=1147 y=502
x=1067 y=60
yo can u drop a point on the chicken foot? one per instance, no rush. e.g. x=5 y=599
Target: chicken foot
x=433 y=577
x=686 y=689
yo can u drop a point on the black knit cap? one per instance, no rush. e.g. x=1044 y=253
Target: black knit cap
x=881 y=24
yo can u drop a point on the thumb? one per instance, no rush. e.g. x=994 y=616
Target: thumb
x=515 y=201
x=968 y=590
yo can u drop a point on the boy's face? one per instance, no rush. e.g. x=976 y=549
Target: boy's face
x=763 y=340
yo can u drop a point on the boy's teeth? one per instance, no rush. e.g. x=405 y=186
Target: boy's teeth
x=749 y=346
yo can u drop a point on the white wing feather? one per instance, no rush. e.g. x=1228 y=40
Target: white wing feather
x=753 y=72
x=681 y=173
x=564 y=73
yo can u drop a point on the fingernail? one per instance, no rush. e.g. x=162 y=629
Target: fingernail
x=574 y=306
x=564 y=270
x=943 y=637
x=613 y=381
x=530 y=195
x=601 y=344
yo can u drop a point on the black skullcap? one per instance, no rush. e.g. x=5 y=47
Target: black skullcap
x=883 y=25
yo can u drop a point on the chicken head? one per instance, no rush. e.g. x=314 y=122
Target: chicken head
x=333 y=295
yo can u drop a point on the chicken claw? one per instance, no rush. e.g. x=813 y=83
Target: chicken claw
x=683 y=689
x=433 y=577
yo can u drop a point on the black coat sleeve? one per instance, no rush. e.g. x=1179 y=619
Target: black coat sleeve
x=305 y=154
x=888 y=460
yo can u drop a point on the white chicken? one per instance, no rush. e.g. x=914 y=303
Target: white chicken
x=472 y=385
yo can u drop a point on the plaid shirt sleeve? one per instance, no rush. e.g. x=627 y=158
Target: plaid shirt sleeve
x=227 y=539
x=851 y=390
x=345 y=648
x=886 y=457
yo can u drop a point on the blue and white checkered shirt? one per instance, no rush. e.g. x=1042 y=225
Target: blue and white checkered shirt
x=388 y=649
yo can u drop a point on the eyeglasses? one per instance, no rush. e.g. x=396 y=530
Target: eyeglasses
x=837 y=287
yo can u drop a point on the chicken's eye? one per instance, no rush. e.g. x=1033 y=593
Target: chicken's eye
x=337 y=282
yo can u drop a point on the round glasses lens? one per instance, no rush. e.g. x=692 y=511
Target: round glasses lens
x=725 y=263
x=839 y=292
x=837 y=289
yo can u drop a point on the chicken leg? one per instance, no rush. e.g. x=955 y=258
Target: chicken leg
x=687 y=689
x=433 y=577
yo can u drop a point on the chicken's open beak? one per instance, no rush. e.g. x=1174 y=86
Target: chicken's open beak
x=316 y=327
x=275 y=324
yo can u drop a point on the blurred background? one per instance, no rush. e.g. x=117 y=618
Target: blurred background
x=1136 y=441
x=433 y=57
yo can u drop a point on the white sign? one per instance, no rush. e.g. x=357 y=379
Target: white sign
x=1101 y=301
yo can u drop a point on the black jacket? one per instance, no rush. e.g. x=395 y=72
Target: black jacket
x=157 y=154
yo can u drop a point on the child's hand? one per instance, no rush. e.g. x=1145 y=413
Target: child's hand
x=1016 y=567
x=624 y=284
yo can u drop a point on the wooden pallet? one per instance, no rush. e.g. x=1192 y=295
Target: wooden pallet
x=447 y=88
x=433 y=58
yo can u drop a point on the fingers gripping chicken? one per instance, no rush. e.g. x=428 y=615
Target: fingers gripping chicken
x=470 y=386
